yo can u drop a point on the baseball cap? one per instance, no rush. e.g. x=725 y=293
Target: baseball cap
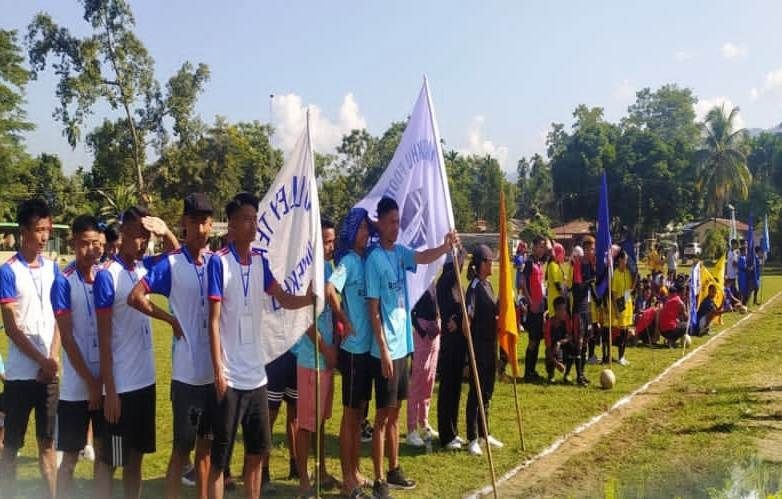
x=198 y=204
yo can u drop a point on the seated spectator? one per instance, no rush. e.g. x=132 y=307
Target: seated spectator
x=561 y=338
x=708 y=311
x=673 y=317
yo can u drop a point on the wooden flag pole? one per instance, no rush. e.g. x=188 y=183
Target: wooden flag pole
x=518 y=414
x=318 y=450
x=475 y=377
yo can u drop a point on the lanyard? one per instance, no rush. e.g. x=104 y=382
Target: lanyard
x=131 y=274
x=37 y=283
x=396 y=267
x=86 y=294
x=199 y=275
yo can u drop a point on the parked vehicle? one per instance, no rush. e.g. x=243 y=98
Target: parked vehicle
x=692 y=250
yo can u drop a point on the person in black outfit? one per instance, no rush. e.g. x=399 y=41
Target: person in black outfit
x=453 y=348
x=482 y=310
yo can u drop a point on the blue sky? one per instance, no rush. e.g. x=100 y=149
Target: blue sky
x=500 y=71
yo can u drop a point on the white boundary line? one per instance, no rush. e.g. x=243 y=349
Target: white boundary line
x=476 y=494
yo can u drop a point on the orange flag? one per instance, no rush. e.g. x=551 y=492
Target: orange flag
x=507 y=325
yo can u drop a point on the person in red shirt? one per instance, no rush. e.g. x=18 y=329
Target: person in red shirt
x=673 y=316
x=562 y=337
x=533 y=291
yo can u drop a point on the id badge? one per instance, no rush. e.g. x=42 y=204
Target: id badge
x=203 y=332
x=400 y=300
x=93 y=353
x=246 y=336
x=147 y=337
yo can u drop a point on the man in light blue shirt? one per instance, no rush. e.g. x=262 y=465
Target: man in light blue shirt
x=389 y=312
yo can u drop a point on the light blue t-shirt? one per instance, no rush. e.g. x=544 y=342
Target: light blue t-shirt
x=387 y=281
x=348 y=279
x=304 y=349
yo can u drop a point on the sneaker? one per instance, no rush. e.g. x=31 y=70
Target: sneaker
x=475 y=448
x=583 y=381
x=430 y=432
x=592 y=360
x=398 y=480
x=366 y=431
x=532 y=377
x=494 y=442
x=189 y=477
x=88 y=453
x=454 y=444
x=460 y=440
x=59 y=458
x=358 y=493
x=624 y=362
x=414 y=439
x=380 y=490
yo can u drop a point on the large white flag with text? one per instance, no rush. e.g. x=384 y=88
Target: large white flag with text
x=289 y=234
x=416 y=179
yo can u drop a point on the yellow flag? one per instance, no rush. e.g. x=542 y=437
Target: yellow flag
x=718 y=273
x=508 y=326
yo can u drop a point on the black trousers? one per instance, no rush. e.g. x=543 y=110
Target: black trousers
x=486 y=361
x=453 y=348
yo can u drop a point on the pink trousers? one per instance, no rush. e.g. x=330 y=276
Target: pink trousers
x=422 y=380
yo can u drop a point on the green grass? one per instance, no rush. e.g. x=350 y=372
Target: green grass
x=549 y=411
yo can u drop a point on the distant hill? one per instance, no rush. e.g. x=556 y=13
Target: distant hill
x=754 y=132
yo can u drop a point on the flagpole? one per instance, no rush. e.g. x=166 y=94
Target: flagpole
x=318 y=450
x=518 y=414
x=466 y=322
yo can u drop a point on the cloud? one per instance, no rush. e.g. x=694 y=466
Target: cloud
x=754 y=93
x=684 y=55
x=703 y=106
x=733 y=51
x=625 y=91
x=771 y=82
x=479 y=145
x=289 y=115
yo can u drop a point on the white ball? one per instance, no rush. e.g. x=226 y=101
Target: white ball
x=607 y=379
x=687 y=340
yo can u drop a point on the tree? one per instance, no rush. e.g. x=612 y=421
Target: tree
x=722 y=163
x=112 y=65
x=667 y=113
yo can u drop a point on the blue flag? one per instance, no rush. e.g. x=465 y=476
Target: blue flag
x=750 y=238
x=695 y=287
x=603 y=253
x=765 y=245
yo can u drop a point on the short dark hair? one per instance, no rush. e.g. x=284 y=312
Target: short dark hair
x=326 y=223
x=559 y=301
x=385 y=205
x=241 y=199
x=112 y=233
x=31 y=210
x=84 y=223
x=538 y=239
x=134 y=214
x=733 y=241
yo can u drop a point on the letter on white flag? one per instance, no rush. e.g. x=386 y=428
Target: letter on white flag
x=416 y=179
x=289 y=234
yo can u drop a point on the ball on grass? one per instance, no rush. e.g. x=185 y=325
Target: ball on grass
x=607 y=379
x=687 y=339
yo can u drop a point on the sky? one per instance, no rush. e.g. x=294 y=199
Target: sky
x=500 y=72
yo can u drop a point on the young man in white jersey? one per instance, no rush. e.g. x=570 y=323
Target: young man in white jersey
x=181 y=277
x=389 y=313
x=127 y=363
x=238 y=276
x=81 y=388
x=34 y=348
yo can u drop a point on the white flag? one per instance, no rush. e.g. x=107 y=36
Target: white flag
x=289 y=234
x=416 y=179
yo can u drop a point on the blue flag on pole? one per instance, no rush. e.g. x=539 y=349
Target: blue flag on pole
x=603 y=254
x=695 y=287
x=765 y=245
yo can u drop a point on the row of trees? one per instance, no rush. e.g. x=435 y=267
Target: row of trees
x=663 y=166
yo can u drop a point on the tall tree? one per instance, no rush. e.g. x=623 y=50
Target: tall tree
x=722 y=163
x=112 y=65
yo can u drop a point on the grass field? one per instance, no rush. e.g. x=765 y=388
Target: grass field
x=549 y=411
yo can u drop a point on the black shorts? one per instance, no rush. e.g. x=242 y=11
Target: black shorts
x=192 y=408
x=73 y=419
x=135 y=430
x=249 y=408
x=23 y=396
x=390 y=392
x=281 y=373
x=534 y=326
x=356 y=378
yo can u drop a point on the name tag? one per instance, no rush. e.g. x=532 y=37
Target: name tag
x=246 y=333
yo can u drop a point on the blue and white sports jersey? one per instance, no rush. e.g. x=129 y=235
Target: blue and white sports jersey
x=131 y=331
x=179 y=278
x=30 y=289
x=72 y=295
x=240 y=290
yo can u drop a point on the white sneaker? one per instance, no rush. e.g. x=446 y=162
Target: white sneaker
x=454 y=445
x=475 y=448
x=460 y=440
x=59 y=458
x=495 y=443
x=431 y=433
x=592 y=360
x=624 y=362
x=88 y=453
x=414 y=439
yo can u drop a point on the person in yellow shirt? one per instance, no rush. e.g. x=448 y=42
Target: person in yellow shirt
x=555 y=277
x=621 y=304
x=654 y=261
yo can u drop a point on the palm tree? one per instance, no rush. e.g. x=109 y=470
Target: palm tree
x=722 y=165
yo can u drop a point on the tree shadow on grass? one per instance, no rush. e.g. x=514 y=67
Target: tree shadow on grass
x=715 y=428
